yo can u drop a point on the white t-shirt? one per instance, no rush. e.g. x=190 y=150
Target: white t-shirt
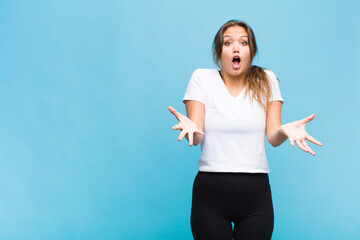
x=234 y=128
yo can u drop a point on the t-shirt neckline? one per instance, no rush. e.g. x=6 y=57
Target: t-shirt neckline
x=225 y=88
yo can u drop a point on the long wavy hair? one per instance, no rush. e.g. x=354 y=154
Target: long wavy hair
x=256 y=80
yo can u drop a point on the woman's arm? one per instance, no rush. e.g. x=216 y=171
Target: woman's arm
x=294 y=131
x=192 y=126
x=273 y=123
x=196 y=112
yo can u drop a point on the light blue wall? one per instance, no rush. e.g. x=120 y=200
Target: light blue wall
x=86 y=147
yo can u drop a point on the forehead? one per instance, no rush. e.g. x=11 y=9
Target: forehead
x=235 y=31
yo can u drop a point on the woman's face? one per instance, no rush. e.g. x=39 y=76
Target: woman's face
x=235 y=56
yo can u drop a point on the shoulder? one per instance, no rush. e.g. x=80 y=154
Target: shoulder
x=269 y=72
x=271 y=75
x=206 y=72
x=274 y=85
x=204 y=76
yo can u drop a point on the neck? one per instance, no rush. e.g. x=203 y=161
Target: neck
x=231 y=80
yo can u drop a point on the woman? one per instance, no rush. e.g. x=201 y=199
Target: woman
x=228 y=113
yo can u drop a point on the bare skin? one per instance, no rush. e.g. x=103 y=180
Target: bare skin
x=235 y=44
x=187 y=127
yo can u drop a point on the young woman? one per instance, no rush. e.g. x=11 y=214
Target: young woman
x=228 y=113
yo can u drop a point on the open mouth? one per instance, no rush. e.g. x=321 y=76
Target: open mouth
x=236 y=62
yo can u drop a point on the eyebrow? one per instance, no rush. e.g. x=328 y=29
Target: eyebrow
x=231 y=36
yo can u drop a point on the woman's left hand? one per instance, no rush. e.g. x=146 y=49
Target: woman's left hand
x=295 y=131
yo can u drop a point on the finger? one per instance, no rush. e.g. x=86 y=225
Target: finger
x=298 y=143
x=177 y=127
x=190 y=136
x=313 y=140
x=308 y=119
x=171 y=109
x=181 y=136
x=174 y=112
x=291 y=142
x=307 y=147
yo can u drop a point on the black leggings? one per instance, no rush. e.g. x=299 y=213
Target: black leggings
x=220 y=199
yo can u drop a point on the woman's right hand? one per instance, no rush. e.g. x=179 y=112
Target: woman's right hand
x=185 y=125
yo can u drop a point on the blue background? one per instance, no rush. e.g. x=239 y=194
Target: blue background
x=86 y=147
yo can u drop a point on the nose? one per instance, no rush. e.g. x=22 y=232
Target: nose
x=236 y=48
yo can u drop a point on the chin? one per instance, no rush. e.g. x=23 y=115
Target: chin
x=238 y=71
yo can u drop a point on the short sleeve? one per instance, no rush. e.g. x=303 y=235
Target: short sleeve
x=275 y=89
x=195 y=89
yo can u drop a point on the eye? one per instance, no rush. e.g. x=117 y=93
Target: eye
x=244 y=43
x=227 y=43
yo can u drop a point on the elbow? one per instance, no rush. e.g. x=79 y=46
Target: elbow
x=273 y=143
x=276 y=138
x=196 y=143
x=197 y=139
x=272 y=138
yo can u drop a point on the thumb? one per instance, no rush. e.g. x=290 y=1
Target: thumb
x=171 y=109
x=174 y=112
x=178 y=115
x=308 y=119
